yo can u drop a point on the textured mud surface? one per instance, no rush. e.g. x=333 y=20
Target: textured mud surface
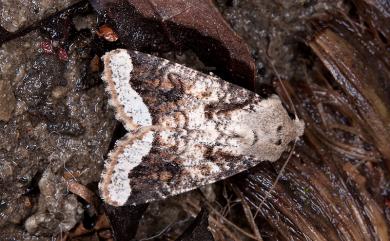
x=55 y=125
x=16 y=15
x=276 y=30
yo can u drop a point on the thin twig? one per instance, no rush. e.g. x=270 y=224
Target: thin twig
x=248 y=213
x=242 y=231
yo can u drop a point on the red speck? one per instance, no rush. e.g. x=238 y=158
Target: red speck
x=387 y=203
x=47 y=46
x=62 y=54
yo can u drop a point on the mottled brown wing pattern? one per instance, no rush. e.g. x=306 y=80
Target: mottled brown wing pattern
x=191 y=129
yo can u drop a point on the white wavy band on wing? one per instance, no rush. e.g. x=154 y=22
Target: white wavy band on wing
x=131 y=156
x=131 y=102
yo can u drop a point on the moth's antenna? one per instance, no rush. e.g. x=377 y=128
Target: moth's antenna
x=284 y=89
x=280 y=174
x=268 y=193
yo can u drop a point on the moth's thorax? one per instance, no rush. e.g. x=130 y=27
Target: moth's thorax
x=258 y=130
x=262 y=129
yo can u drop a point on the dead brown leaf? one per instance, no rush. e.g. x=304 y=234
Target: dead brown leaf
x=166 y=25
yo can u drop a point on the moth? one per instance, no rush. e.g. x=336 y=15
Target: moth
x=185 y=128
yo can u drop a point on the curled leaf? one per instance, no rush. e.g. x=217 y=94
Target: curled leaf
x=157 y=25
x=198 y=230
x=124 y=220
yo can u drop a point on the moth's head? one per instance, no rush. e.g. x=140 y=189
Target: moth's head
x=264 y=129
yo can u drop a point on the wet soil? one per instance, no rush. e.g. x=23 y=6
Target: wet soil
x=54 y=123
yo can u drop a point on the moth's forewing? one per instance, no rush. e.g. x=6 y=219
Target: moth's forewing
x=186 y=128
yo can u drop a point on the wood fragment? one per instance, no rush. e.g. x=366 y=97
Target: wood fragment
x=83 y=192
x=360 y=83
